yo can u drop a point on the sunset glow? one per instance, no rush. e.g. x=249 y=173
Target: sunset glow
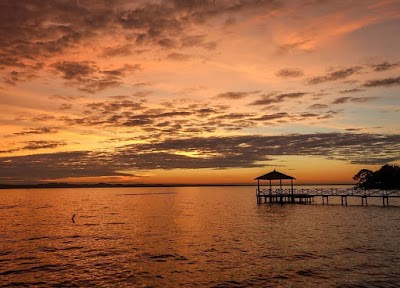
x=197 y=92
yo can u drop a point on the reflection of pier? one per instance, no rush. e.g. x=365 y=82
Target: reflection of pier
x=306 y=196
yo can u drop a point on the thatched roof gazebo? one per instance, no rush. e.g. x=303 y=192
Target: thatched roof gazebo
x=275 y=175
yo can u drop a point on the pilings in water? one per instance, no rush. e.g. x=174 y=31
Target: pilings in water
x=285 y=198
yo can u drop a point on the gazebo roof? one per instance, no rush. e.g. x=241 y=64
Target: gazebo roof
x=274 y=175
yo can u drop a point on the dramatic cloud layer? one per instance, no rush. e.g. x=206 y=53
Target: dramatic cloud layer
x=214 y=153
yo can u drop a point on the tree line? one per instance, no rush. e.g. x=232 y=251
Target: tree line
x=387 y=177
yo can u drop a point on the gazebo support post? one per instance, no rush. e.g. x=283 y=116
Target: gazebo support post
x=270 y=187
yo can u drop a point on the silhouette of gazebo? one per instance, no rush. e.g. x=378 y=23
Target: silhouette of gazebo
x=275 y=175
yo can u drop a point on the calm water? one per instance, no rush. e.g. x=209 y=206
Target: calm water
x=188 y=237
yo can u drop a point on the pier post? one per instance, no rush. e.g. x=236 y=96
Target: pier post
x=387 y=200
x=366 y=200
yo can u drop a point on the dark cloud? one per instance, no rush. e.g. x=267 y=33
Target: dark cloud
x=14 y=76
x=197 y=41
x=237 y=95
x=353 y=99
x=235 y=116
x=354 y=90
x=115 y=105
x=45 y=167
x=75 y=70
x=275 y=116
x=142 y=94
x=335 y=75
x=43 y=118
x=160 y=22
x=290 y=73
x=274 y=98
x=318 y=106
x=65 y=106
x=34 y=131
x=385 y=82
x=353 y=129
x=179 y=57
x=123 y=50
x=88 y=77
x=34 y=145
x=384 y=66
x=33 y=32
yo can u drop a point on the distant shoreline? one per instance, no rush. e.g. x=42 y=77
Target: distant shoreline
x=106 y=185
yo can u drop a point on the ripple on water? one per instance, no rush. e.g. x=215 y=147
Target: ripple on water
x=4 y=207
x=162 y=257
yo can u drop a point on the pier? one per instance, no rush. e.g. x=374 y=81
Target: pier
x=307 y=196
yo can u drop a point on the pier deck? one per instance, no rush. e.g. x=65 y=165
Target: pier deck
x=306 y=196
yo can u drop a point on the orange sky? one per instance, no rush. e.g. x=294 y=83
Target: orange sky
x=197 y=91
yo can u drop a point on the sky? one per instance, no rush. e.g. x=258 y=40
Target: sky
x=197 y=91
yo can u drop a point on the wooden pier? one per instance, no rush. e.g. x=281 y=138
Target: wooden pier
x=306 y=196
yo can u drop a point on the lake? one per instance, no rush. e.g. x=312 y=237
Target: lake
x=192 y=237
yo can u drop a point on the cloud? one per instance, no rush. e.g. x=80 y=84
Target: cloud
x=40 y=167
x=318 y=106
x=353 y=99
x=384 y=66
x=335 y=75
x=274 y=98
x=248 y=151
x=290 y=73
x=34 y=145
x=88 y=77
x=237 y=95
x=68 y=98
x=35 y=131
x=180 y=119
x=354 y=90
x=122 y=50
x=65 y=106
x=385 y=82
x=38 y=32
x=275 y=116
x=286 y=48
x=179 y=57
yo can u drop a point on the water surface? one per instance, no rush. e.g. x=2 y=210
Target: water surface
x=192 y=237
